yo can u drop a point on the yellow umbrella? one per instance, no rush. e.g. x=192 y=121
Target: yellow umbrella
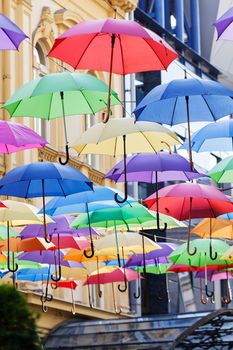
x=130 y=243
x=18 y=214
x=75 y=273
x=228 y=255
x=122 y=136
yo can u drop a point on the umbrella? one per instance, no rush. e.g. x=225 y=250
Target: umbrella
x=113 y=45
x=100 y=198
x=154 y=168
x=123 y=136
x=190 y=200
x=215 y=228
x=224 y=25
x=60 y=95
x=43 y=179
x=72 y=285
x=28 y=244
x=17 y=214
x=133 y=213
x=222 y=171
x=186 y=100
x=213 y=137
x=10 y=34
x=17 y=137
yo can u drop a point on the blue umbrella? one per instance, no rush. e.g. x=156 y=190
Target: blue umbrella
x=44 y=179
x=228 y=216
x=33 y=274
x=185 y=100
x=100 y=198
x=213 y=137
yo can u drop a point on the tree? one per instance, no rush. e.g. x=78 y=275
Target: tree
x=17 y=323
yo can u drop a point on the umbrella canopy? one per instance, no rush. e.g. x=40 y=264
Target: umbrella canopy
x=215 y=228
x=215 y=275
x=133 y=213
x=60 y=225
x=208 y=101
x=185 y=100
x=151 y=167
x=60 y=95
x=100 y=198
x=10 y=34
x=79 y=256
x=136 y=49
x=43 y=179
x=207 y=201
x=189 y=200
x=74 y=273
x=17 y=137
x=222 y=171
x=213 y=137
x=40 y=98
x=110 y=274
x=33 y=274
x=67 y=284
x=201 y=257
x=224 y=25
x=29 y=244
x=129 y=242
x=140 y=137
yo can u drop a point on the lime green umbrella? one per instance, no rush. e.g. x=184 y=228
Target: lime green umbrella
x=201 y=257
x=223 y=171
x=154 y=269
x=21 y=264
x=60 y=95
x=133 y=213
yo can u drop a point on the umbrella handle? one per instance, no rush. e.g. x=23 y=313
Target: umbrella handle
x=137 y=296
x=89 y=296
x=158 y=225
x=157 y=205
x=73 y=311
x=189 y=234
x=92 y=252
x=14 y=269
x=203 y=301
x=114 y=302
x=209 y=294
x=67 y=157
x=54 y=285
x=211 y=253
x=44 y=307
x=227 y=300
x=122 y=290
x=58 y=278
x=120 y=201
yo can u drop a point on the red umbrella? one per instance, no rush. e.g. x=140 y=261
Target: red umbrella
x=70 y=285
x=113 y=45
x=189 y=200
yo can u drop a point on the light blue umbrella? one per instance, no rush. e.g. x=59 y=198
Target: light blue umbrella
x=228 y=216
x=213 y=137
x=33 y=274
x=185 y=101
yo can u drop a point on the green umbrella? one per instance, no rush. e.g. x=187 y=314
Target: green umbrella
x=154 y=269
x=133 y=213
x=4 y=233
x=223 y=171
x=22 y=264
x=60 y=95
x=202 y=257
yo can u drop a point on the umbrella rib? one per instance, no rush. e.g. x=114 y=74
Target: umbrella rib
x=29 y=182
x=90 y=42
x=93 y=112
x=211 y=207
x=50 y=104
x=4 y=31
x=209 y=108
x=115 y=146
x=160 y=60
x=141 y=132
x=61 y=187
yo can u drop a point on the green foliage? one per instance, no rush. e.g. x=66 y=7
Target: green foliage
x=17 y=324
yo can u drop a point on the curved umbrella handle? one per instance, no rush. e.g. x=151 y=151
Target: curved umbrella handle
x=137 y=296
x=44 y=308
x=14 y=269
x=158 y=225
x=122 y=290
x=92 y=252
x=54 y=285
x=212 y=257
x=57 y=278
x=227 y=300
x=209 y=294
x=188 y=249
x=67 y=157
x=213 y=299
x=73 y=311
x=120 y=201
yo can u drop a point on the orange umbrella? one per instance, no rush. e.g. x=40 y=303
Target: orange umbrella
x=214 y=228
x=79 y=256
x=27 y=245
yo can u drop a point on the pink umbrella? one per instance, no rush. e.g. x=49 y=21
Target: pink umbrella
x=189 y=200
x=113 y=45
x=65 y=241
x=17 y=137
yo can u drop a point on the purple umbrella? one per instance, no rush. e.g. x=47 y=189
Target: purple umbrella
x=10 y=35
x=154 y=168
x=16 y=137
x=224 y=25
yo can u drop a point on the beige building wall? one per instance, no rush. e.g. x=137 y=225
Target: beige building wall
x=43 y=21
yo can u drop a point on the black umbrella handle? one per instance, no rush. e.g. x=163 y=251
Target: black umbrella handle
x=92 y=244
x=157 y=205
x=11 y=269
x=66 y=161
x=212 y=257
x=202 y=299
x=116 y=196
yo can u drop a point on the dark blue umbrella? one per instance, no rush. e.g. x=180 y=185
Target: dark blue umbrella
x=44 y=179
x=185 y=101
